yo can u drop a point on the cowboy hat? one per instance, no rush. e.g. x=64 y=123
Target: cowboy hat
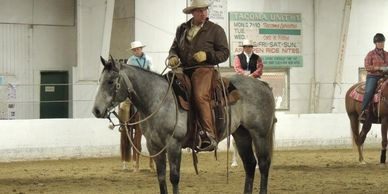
x=137 y=44
x=196 y=4
x=247 y=42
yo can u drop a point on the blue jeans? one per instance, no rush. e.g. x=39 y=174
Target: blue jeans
x=370 y=87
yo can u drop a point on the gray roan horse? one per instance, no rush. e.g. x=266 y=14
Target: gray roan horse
x=252 y=121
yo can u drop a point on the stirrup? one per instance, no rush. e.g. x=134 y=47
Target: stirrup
x=207 y=145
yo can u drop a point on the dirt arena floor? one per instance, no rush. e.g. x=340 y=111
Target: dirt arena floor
x=296 y=171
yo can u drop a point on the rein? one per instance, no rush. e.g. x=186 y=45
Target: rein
x=127 y=82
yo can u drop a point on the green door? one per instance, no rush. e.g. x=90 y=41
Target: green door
x=54 y=95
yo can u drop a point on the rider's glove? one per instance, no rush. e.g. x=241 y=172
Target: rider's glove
x=173 y=62
x=200 y=56
x=384 y=68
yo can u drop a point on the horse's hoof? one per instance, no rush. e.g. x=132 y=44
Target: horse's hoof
x=234 y=164
x=382 y=165
x=125 y=166
x=362 y=162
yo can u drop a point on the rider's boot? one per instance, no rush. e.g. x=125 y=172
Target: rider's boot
x=208 y=137
x=362 y=116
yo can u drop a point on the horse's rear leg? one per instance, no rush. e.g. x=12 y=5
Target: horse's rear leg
x=263 y=147
x=234 y=159
x=244 y=147
x=151 y=164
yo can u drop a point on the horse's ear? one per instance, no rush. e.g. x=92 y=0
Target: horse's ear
x=103 y=61
x=116 y=66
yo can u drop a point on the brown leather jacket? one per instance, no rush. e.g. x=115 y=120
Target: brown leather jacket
x=211 y=38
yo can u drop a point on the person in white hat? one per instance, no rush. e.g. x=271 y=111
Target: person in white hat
x=139 y=58
x=199 y=45
x=247 y=62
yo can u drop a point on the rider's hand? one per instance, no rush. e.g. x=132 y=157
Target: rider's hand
x=200 y=56
x=384 y=68
x=173 y=62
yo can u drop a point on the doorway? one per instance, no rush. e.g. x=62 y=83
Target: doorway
x=54 y=94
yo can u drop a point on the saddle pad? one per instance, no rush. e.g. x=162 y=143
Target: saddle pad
x=358 y=93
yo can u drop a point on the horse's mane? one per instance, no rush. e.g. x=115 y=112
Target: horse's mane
x=109 y=67
x=141 y=69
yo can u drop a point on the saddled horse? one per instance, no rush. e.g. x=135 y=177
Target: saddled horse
x=353 y=101
x=252 y=119
x=133 y=133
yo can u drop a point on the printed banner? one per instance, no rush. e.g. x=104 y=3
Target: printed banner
x=277 y=37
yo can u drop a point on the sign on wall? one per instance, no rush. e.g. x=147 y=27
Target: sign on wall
x=7 y=100
x=218 y=13
x=277 y=37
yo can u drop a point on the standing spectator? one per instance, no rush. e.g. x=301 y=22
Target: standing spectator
x=139 y=58
x=247 y=62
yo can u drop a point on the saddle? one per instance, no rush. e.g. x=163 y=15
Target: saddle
x=358 y=95
x=358 y=92
x=182 y=89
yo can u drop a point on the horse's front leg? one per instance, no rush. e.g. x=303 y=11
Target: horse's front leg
x=125 y=149
x=160 y=162
x=174 y=158
x=384 y=141
x=137 y=134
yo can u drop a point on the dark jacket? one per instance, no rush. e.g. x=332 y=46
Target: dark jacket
x=211 y=38
x=252 y=66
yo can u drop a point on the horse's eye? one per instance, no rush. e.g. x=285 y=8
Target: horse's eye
x=110 y=82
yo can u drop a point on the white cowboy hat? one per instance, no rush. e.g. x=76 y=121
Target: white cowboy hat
x=196 y=4
x=137 y=44
x=247 y=42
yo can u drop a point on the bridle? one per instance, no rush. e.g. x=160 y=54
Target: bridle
x=131 y=92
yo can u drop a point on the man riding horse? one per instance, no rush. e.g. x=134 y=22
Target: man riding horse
x=198 y=46
x=376 y=64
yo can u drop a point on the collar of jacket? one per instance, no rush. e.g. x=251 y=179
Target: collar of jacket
x=204 y=27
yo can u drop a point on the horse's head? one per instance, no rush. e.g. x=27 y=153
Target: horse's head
x=111 y=90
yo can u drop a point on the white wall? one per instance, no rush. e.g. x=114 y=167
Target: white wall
x=155 y=25
x=56 y=138
x=42 y=36
x=78 y=138
x=94 y=24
